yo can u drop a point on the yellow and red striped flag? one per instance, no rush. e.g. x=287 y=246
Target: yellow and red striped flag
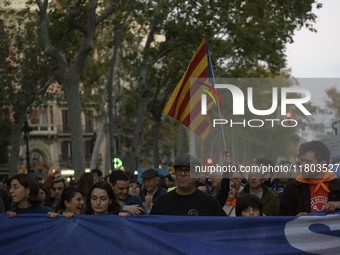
x=185 y=102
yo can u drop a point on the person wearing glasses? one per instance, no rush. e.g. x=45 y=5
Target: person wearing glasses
x=186 y=199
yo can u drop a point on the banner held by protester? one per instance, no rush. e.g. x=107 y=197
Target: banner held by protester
x=109 y=234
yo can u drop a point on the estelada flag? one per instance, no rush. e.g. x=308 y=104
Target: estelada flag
x=185 y=102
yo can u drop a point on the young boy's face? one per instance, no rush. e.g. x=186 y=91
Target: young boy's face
x=250 y=211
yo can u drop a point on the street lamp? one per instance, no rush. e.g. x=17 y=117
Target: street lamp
x=27 y=129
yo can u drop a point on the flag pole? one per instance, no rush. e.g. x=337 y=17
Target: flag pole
x=218 y=103
x=192 y=143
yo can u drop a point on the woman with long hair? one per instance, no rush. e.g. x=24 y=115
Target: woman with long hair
x=24 y=191
x=101 y=200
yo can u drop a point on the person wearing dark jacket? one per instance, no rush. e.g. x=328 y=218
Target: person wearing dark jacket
x=312 y=191
x=152 y=190
x=120 y=184
x=269 y=199
x=296 y=199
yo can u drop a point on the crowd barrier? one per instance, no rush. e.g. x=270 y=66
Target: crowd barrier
x=110 y=234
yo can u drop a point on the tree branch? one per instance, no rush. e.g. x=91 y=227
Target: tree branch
x=107 y=13
x=72 y=17
x=50 y=50
x=173 y=44
x=150 y=38
x=88 y=36
x=48 y=82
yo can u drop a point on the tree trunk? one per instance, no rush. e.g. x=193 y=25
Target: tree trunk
x=132 y=159
x=100 y=132
x=156 y=139
x=71 y=81
x=15 y=146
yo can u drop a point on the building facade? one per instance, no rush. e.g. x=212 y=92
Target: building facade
x=50 y=138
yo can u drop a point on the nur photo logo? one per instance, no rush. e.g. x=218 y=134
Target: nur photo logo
x=213 y=95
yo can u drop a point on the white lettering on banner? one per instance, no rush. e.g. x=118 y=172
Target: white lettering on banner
x=299 y=235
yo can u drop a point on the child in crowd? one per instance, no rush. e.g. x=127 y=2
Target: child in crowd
x=249 y=205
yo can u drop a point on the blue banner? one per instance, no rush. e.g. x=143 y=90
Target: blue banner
x=110 y=234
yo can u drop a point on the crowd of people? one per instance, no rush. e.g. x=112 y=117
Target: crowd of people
x=179 y=194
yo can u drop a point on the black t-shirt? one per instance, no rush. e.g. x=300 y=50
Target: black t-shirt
x=196 y=204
